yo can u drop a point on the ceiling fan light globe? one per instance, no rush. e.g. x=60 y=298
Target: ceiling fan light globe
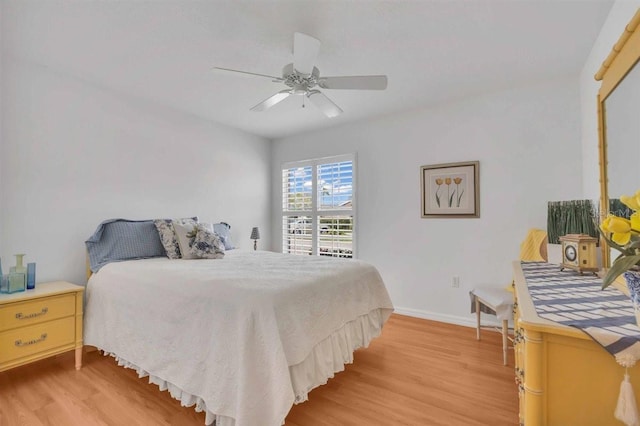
x=300 y=90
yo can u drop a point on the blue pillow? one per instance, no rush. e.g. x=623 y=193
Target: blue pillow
x=223 y=229
x=121 y=239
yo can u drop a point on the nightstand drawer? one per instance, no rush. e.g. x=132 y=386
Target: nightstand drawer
x=25 y=341
x=36 y=311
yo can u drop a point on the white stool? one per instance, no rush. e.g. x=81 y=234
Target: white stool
x=499 y=301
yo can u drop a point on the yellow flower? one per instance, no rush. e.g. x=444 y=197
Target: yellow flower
x=624 y=236
x=619 y=227
x=447 y=181
x=457 y=180
x=635 y=221
x=632 y=202
x=438 y=181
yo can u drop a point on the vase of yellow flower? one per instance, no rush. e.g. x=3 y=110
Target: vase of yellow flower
x=624 y=235
x=632 y=279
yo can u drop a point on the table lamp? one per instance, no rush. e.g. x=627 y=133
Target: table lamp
x=255 y=236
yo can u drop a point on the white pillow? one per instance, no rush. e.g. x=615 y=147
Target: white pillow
x=186 y=232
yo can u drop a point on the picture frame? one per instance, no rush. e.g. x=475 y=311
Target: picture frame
x=450 y=190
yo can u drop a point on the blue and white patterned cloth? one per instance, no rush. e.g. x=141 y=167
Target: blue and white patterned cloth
x=116 y=240
x=568 y=298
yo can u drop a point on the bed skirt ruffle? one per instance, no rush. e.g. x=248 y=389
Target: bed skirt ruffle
x=326 y=358
x=331 y=354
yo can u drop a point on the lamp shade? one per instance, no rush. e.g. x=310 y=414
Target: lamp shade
x=255 y=233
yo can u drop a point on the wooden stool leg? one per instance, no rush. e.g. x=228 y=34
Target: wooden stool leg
x=505 y=331
x=477 y=318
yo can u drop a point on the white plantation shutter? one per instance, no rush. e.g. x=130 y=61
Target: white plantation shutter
x=297 y=189
x=318 y=207
x=335 y=188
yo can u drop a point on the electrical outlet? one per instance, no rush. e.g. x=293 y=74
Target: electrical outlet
x=455 y=282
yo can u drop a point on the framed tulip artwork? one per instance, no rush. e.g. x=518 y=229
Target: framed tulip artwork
x=450 y=190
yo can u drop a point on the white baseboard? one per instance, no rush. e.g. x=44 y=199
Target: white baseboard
x=450 y=319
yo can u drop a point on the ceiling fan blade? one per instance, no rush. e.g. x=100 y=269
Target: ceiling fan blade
x=356 y=82
x=305 y=52
x=249 y=73
x=323 y=103
x=272 y=100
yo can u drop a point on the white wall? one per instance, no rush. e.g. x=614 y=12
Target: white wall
x=527 y=142
x=620 y=15
x=74 y=154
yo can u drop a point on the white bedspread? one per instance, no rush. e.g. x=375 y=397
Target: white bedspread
x=226 y=331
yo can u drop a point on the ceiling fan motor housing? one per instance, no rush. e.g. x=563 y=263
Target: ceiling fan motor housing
x=300 y=83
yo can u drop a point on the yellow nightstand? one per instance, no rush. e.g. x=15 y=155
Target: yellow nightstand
x=40 y=323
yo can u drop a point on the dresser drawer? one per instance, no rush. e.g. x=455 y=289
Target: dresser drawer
x=35 y=311
x=25 y=341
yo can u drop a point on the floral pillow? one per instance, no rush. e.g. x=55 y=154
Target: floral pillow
x=168 y=236
x=205 y=243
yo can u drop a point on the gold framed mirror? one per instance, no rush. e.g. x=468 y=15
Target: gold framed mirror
x=619 y=121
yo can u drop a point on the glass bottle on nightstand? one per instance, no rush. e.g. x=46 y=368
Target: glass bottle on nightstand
x=4 y=281
x=31 y=276
x=17 y=276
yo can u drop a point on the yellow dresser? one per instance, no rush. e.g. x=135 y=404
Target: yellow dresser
x=564 y=377
x=39 y=323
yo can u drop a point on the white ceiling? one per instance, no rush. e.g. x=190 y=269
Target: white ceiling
x=431 y=51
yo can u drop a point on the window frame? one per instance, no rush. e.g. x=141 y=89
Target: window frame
x=315 y=212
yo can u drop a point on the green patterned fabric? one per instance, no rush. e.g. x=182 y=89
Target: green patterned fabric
x=571 y=217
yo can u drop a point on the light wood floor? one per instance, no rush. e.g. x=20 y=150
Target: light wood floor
x=417 y=373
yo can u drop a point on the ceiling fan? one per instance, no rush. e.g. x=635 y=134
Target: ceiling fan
x=302 y=77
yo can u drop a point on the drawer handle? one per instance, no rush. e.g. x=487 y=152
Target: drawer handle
x=20 y=343
x=22 y=316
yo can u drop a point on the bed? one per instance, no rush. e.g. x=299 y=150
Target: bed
x=241 y=338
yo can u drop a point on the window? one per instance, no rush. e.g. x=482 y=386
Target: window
x=318 y=207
